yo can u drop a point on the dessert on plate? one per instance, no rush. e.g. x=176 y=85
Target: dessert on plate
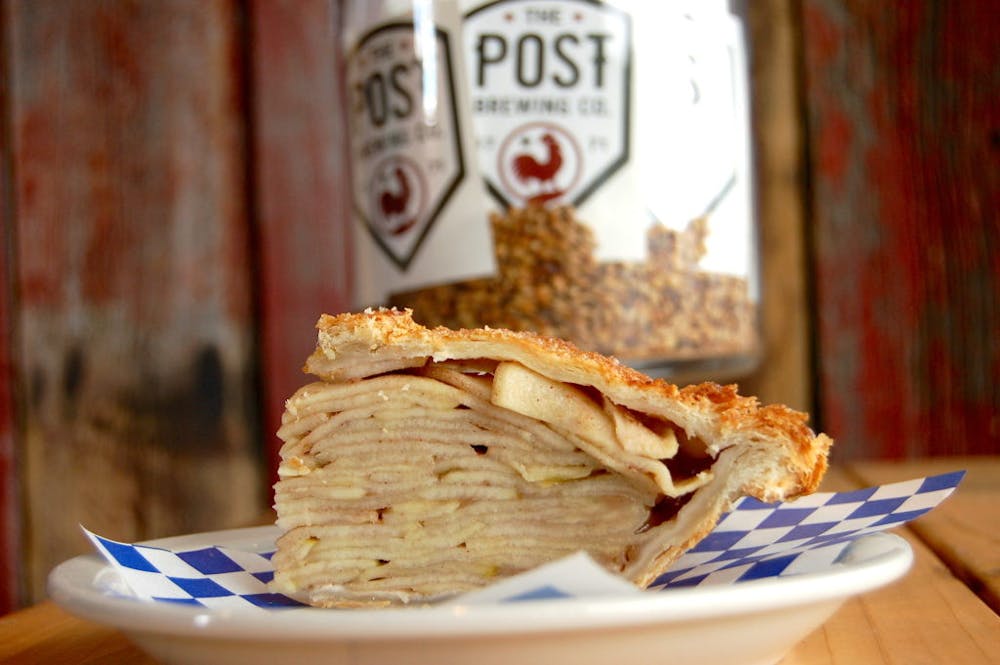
x=426 y=462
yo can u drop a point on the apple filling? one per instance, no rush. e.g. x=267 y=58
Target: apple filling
x=437 y=479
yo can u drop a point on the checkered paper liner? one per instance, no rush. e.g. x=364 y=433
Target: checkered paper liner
x=753 y=541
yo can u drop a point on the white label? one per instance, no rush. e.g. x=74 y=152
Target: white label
x=416 y=190
x=693 y=157
x=550 y=93
x=633 y=111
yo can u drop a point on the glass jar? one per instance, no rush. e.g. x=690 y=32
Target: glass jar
x=581 y=169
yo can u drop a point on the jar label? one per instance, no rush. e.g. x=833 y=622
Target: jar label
x=691 y=112
x=550 y=95
x=633 y=112
x=416 y=191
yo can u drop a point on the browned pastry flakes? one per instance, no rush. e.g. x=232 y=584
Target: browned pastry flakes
x=426 y=462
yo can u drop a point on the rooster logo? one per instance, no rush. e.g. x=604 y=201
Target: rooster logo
x=396 y=197
x=527 y=168
x=393 y=203
x=539 y=163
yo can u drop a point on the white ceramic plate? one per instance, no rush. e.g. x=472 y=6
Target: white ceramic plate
x=753 y=623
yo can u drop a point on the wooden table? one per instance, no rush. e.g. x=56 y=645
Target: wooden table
x=944 y=611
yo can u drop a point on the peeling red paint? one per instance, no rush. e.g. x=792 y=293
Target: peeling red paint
x=907 y=330
x=824 y=35
x=834 y=139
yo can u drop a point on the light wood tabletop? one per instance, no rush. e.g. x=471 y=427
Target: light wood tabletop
x=944 y=611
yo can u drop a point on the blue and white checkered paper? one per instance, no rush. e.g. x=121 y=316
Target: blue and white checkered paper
x=753 y=541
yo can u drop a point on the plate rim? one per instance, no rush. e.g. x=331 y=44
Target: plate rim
x=67 y=588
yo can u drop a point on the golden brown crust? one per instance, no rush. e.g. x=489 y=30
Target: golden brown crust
x=393 y=327
x=708 y=410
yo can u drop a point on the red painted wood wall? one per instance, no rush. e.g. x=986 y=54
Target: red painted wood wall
x=173 y=214
x=299 y=167
x=133 y=301
x=904 y=167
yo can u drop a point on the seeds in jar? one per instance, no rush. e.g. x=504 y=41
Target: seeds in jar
x=549 y=281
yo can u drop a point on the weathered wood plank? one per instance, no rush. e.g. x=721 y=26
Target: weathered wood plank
x=302 y=199
x=133 y=272
x=903 y=119
x=10 y=513
x=785 y=375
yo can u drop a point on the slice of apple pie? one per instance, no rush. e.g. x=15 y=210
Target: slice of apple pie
x=428 y=462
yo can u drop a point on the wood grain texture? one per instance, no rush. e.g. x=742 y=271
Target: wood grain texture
x=928 y=618
x=302 y=200
x=785 y=373
x=903 y=146
x=10 y=505
x=133 y=272
x=962 y=531
x=932 y=620
x=46 y=634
